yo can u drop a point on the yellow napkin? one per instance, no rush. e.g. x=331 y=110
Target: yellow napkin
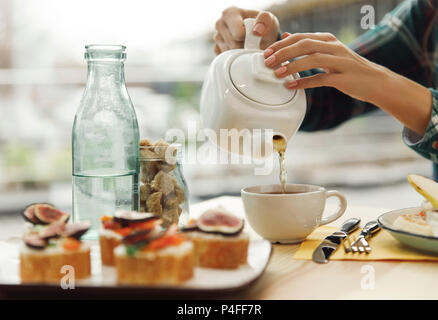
x=383 y=245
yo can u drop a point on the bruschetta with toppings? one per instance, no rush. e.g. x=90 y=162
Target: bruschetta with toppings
x=50 y=243
x=155 y=257
x=218 y=239
x=114 y=228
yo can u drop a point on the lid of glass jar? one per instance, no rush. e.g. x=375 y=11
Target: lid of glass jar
x=257 y=82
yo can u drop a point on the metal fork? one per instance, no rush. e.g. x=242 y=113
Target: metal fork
x=361 y=244
x=347 y=244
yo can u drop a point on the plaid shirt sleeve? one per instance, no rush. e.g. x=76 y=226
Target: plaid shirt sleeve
x=396 y=44
x=426 y=145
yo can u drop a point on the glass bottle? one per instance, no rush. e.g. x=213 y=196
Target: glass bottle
x=105 y=141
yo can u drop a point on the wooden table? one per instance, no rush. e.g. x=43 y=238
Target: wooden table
x=286 y=278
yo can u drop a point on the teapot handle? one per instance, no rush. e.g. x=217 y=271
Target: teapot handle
x=251 y=40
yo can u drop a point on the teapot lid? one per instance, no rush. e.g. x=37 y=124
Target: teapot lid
x=257 y=82
x=253 y=78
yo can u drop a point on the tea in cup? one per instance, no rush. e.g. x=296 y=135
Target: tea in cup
x=291 y=216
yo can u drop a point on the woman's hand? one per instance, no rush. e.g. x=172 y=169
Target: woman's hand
x=230 y=30
x=344 y=69
x=350 y=73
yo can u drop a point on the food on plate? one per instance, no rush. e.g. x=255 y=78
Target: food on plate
x=160 y=192
x=426 y=221
x=426 y=187
x=114 y=228
x=429 y=189
x=414 y=223
x=154 y=257
x=219 y=239
x=50 y=244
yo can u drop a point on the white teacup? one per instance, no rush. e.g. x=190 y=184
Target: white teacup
x=288 y=217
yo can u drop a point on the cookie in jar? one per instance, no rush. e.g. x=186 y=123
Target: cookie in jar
x=163 y=189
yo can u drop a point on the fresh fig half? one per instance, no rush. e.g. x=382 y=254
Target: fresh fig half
x=47 y=214
x=216 y=221
x=29 y=214
x=76 y=230
x=189 y=229
x=137 y=237
x=127 y=217
x=33 y=241
x=53 y=230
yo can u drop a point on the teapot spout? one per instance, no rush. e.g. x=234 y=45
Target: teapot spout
x=280 y=141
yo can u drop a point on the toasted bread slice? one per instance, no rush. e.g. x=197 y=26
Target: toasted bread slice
x=46 y=265
x=218 y=251
x=108 y=242
x=171 y=265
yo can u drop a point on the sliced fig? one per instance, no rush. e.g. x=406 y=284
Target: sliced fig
x=76 y=230
x=137 y=237
x=53 y=230
x=29 y=214
x=216 y=221
x=47 y=214
x=189 y=228
x=33 y=241
x=125 y=217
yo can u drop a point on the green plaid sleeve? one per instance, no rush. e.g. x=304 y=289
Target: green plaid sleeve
x=392 y=43
x=426 y=145
x=396 y=43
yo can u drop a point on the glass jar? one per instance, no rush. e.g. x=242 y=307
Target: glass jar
x=105 y=137
x=163 y=189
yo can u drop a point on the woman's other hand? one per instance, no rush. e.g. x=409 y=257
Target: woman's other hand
x=230 y=30
x=350 y=73
x=343 y=68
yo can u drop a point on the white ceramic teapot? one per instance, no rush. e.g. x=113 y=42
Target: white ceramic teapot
x=240 y=92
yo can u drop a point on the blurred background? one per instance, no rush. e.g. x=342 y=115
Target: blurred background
x=169 y=46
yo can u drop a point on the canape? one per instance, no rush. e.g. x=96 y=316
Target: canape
x=50 y=244
x=157 y=257
x=114 y=228
x=219 y=240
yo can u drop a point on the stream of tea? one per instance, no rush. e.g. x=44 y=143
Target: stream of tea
x=280 y=146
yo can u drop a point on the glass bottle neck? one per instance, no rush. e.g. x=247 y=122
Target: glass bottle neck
x=105 y=74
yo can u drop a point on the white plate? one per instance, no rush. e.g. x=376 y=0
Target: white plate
x=417 y=241
x=103 y=278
